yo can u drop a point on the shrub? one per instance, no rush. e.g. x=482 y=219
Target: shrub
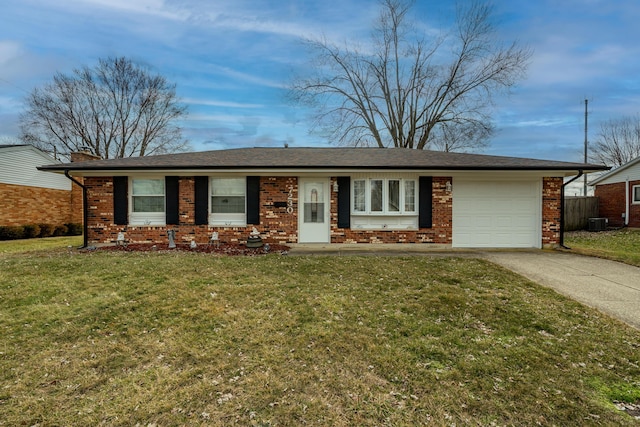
x=75 y=229
x=31 y=231
x=11 y=232
x=46 y=230
x=61 y=230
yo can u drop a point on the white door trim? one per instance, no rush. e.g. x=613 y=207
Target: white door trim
x=316 y=226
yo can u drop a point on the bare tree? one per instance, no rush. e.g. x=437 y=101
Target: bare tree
x=115 y=109
x=618 y=142
x=410 y=91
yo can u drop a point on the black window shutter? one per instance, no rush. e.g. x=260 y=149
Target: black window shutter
x=201 y=199
x=171 y=199
x=120 y=200
x=344 y=202
x=425 y=204
x=253 y=200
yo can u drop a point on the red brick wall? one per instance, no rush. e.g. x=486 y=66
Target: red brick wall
x=611 y=204
x=277 y=224
x=551 y=211
x=22 y=205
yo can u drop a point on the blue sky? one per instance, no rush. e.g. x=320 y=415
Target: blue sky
x=231 y=60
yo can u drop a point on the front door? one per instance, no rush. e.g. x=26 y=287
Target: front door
x=314 y=210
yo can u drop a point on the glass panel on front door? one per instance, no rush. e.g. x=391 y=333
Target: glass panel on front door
x=313 y=202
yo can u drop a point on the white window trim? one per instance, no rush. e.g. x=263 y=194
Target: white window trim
x=149 y=219
x=385 y=197
x=227 y=219
x=634 y=201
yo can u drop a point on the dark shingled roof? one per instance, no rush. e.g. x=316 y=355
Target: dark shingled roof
x=322 y=158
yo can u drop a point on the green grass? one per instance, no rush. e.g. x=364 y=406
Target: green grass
x=109 y=338
x=620 y=245
x=48 y=243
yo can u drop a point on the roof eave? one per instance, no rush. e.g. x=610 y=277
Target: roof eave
x=120 y=169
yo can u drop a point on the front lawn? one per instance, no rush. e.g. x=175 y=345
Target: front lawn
x=619 y=245
x=106 y=338
x=40 y=244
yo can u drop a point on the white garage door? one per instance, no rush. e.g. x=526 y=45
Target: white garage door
x=497 y=214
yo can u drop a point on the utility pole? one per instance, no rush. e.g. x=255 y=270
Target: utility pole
x=586 y=103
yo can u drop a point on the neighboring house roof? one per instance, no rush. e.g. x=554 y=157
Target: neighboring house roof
x=12 y=145
x=324 y=158
x=19 y=166
x=632 y=169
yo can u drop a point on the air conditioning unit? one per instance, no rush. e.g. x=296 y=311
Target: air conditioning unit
x=597 y=224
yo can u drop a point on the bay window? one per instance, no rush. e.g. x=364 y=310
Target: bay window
x=378 y=196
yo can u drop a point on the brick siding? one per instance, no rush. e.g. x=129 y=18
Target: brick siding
x=277 y=224
x=551 y=211
x=280 y=224
x=611 y=204
x=23 y=204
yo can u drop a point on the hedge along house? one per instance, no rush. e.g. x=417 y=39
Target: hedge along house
x=327 y=195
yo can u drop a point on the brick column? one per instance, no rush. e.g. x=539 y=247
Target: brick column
x=551 y=211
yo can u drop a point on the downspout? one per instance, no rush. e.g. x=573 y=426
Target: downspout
x=626 y=202
x=580 y=173
x=85 y=210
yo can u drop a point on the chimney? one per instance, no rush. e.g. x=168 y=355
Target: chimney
x=83 y=156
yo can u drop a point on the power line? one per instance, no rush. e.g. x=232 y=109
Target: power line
x=14 y=85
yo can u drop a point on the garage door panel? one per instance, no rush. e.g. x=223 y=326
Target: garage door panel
x=497 y=214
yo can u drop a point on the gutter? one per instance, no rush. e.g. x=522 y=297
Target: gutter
x=85 y=210
x=580 y=173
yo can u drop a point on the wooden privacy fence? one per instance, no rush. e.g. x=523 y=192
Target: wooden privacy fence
x=578 y=210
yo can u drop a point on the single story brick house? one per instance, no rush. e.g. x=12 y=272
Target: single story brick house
x=618 y=193
x=30 y=196
x=326 y=195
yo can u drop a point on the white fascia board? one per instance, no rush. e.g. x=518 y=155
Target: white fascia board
x=323 y=172
x=614 y=172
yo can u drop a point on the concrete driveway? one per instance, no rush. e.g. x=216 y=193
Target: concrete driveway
x=609 y=286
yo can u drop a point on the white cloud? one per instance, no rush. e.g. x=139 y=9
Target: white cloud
x=156 y=8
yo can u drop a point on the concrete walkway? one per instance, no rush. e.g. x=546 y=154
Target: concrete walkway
x=609 y=286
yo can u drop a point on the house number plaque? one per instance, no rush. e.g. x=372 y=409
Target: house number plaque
x=290 y=200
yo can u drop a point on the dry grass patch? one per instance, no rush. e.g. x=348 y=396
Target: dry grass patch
x=619 y=245
x=179 y=338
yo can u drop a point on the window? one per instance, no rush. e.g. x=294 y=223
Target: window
x=359 y=196
x=384 y=196
x=147 y=201
x=636 y=194
x=410 y=196
x=376 y=195
x=228 y=201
